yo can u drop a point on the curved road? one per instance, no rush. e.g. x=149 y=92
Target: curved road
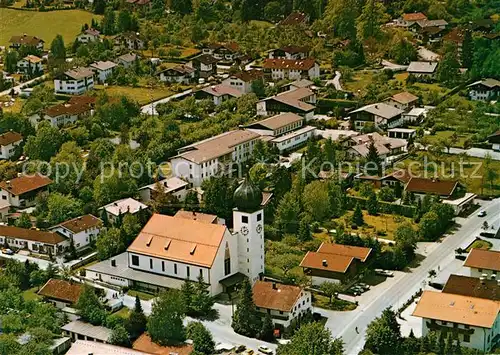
x=401 y=291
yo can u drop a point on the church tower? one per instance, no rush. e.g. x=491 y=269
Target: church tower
x=248 y=222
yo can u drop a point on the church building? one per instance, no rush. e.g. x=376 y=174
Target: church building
x=170 y=250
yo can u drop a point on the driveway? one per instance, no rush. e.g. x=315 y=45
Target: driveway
x=477 y=152
x=150 y=109
x=427 y=55
x=335 y=81
x=42 y=264
x=17 y=88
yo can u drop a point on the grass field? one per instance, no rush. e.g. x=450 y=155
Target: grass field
x=45 y=25
x=142 y=295
x=479 y=244
x=143 y=95
x=336 y=305
x=30 y=294
x=446 y=135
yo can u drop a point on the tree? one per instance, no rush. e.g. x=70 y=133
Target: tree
x=45 y=143
x=429 y=226
x=467 y=54
x=330 y=289
x=165 y=325
x=120 y=337
x=287 y=213
x=201 y=302
x=246 y=320
x=99 y=6
x=341 y=15
x=203 y=341
x=89 y=307
x=441 y=343
x=67 y=169
x=62 y=207
x=218 y=196
x=183 y=7
x=448 y=69
x=404 y=52
x=490 y=173
x=311 y=339
x=304 y=233
x=124 y=21
x=387 y=194
x=406 y=239
x=109 y=243
x=316 y=201
x=137 y=321
x=368 y=23
x=267 y=331
x=273 y=12
x=113 y=185
x=57 y=48
x=108 y=21
x=191 y=202
x=373 y=161
x=24 y=221
x=357 y=217
x=383 y=335
x=372 y=205
x=11 y=58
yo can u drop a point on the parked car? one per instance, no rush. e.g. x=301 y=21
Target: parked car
x=240 y=349
x=264 y=349
x=487 y=234
x=7 y=251
x=481 y=214
x=460 y=257
x=364 y=286
x=386 y=273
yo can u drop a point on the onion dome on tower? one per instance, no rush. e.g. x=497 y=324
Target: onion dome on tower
x=247 y=197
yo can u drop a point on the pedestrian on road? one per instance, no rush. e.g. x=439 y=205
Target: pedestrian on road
x=357 y=330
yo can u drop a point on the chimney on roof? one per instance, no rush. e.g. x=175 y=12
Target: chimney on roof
x=113 y=262
x=275 y=287
x=165 y=183
x=324 y=263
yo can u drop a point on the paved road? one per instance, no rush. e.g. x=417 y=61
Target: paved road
x=17 y=88
x=477 y=152
x=335 y=81
x=150 y=109
x=409 y=283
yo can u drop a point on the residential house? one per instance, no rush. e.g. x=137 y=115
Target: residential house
x=456 y=36
x=425 y=70
x=478 y=287
x=146 y=346
x=334 y=263
x=61 y=293
x=31 y=65
x=223 y=52
x=9 y=141
x=289 y=52
x=218 y=93
x=117 y=209
x=403 y=101
x=494 y=139
x=89 y=35
x=300 y=102
x=431 y=34
x=34 y=240
x=182 y=74
x=78 y=330
x=82 y=230
x=291 y=69
x=74 y=81
x=127 y=60
x=409 y=19
x=484 y=25
x=420 y=25
x=415 y=115
x=60 y=115
x=386 y=146
x=283 y=303
x=172 y=186
x=483 y=263
x=422 y=186
x=139 y=4
x=80 y=347
x=103 y=70
x=292 y=140
x=243 y=80
x=295 y=18
x=297 y=84
x=484 y=90
x=129 y=40
x=24 y=40
x=473 y=320
x=170 y=250
x=205 y=65
x=21 y=192
x=379 y=115
x=213 y=156
x=401 y=133
x=461 y=202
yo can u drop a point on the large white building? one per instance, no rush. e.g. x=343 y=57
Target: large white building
x=75 y=81
x=30 y=64
x=291 y=69
x=474 y=320
x=170 y=250
x=216 y=155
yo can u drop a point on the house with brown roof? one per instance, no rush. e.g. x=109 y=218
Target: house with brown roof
x=89 y=35
x=483 y=263
x=218 y=93
x=226 y=52
x=379 y=115
x=424 y=186
x=129 y=40
x=243 y=80
x=299 y=101
x=474 y=320
x=147 y=346
x=216 y=155
x=20 y=192
x=473 y=287
x=68 y=113
x=295 y=18
x=283 y=303
x=205 y=65
x=408 y=19
x=61 y=293
x=291 y=69
x=403 y=100
x=24 y=40
x=31 y=65
x=75 y=81
x=289 y=52
x=334 y=262
x=82 y=230
x=34 y=240
x=179 y=74
x=9 y=141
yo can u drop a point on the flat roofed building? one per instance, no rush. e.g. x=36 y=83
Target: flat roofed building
x=473 y=320
x=483 y=262
x=78 y=330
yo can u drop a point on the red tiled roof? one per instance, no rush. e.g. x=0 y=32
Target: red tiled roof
x=25 y=183
x=302 y=64
x=9 y=138
x=483 y=259
x=270 y=295
x=82 y=223
x=416 y=16
x=431 y=186
x=145 y=344
x=61 y=290
x=360 y=253
x=31 y=234
x=325 y=261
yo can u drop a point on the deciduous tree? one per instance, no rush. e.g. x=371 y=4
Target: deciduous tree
x=165 y=325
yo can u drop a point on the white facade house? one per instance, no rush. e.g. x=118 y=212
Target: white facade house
x=22 y=191
x=116 y=209
x=242 y=81
x=61 y=115
x=213 y=156
x=422 y=69
x=474 y=320
x=218 y=93
x=82 y=230
x=402 y=100
x=170 y=250
x=181 y=74
x=283 y=303
x=483 y=263
x=299 y=101
x=401 y=133
x=294 y=139
x=36 y=241
x=30 y=64
x=291 y=69
x=172 y=186
x=103 y=70
x=75 y=81
x=289 y=52
x=379 y=115
x=127 y=60
x=484 y=90
x=129 y=40
x=89 y=35
x=8 y=144
x=416 y=114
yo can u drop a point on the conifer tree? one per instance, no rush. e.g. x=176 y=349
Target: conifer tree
x=246 y=320
x=136 y=323
x=357 y=217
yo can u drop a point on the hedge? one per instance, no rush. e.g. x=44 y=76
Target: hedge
x=383 y=207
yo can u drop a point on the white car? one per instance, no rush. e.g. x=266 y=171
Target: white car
x=481 y=214
x=264 y=349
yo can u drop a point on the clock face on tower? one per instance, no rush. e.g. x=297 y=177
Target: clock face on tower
x=259 y=228
x=244 y=230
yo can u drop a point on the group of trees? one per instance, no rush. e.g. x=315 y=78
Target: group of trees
x=197 y=299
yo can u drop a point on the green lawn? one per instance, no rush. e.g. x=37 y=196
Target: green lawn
x=479 y=244
x=45 y=25
x=336 y=305
x=142 y=295
x=143 y=95
x=124 y=313
x=446 y=135
x=31 y=294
